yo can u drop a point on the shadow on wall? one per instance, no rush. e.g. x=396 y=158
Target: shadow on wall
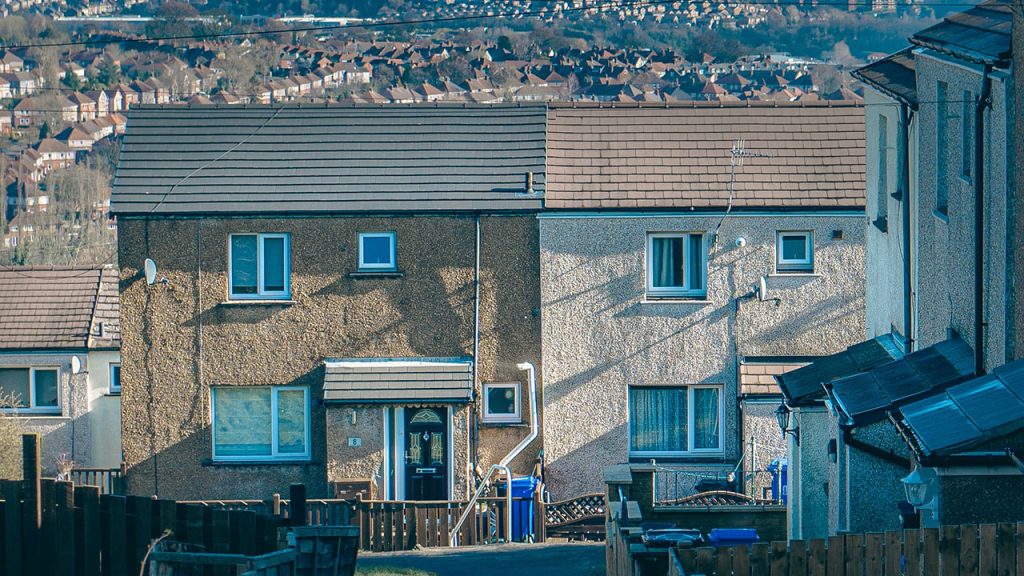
x=836 y=310
x=555 y=391
x=183 y=469
x=580 y=471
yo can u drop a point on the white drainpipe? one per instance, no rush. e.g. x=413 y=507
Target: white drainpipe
x=534 y=424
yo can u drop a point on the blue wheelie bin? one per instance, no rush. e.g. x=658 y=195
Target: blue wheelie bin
x=732 y=536
x=522 y=507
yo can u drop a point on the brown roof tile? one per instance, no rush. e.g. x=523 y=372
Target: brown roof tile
x=759 y=378
x=680 y=156
x=47 y=308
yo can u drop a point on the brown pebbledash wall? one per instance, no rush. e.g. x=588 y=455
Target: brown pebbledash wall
x=181 y=337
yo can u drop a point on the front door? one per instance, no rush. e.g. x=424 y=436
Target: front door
x=426 y=454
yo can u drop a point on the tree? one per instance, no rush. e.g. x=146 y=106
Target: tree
x=172 y=19
x=10 y=440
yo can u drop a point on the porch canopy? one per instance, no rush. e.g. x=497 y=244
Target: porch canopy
x=398 y=380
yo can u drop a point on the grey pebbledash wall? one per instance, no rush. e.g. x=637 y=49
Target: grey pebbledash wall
x=181 y=338
x=600 y=335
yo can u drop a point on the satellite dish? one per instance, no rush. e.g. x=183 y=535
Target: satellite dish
x=762 y=289
x=76 y=364
x=150 y=268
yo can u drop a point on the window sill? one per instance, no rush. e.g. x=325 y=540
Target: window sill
x=258 y=302
x=113 y=393
x=375 y=274
x=508 y=424
x=944 y=216
x=680 y=300
x=33 y=414
x=250 y=463
x=710 y=458
x=795 y=275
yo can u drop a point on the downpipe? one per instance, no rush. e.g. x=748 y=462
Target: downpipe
x=984 y=97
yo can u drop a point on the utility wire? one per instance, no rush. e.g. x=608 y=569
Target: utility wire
x=462 y=18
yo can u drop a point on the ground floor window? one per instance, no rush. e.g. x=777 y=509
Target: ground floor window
x=260 y=423
x=31 y=389
x=674 y=420
x=501 y=403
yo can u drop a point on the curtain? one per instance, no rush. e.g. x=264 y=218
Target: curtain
x=657 y=419
x=705 y=418
x=667 y=260
x=696 y=262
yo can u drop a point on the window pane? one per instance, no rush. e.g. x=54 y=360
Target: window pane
x=705 y=418
x=377 y=250
x=14 y=386
x=46 y=388
x=501 y=400
x=794 y=248
x=657 y=419
x=273 y=264
x=242 y=425
x=243 y=264
x=667 y=262
x=696 y=262
x=291 y=422
x=115 y=377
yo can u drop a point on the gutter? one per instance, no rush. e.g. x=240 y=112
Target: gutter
x=906 y=116
x=984 y=98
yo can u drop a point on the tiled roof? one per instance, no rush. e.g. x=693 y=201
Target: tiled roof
x=893 y=75
x=317 y=159
x=759 y=378
x=47 y=308
x=679 y=156
x=980 y=35
x=394 y=381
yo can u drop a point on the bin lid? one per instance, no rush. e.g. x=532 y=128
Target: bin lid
x=668 y=537
x=524 y=486
x=745 y=534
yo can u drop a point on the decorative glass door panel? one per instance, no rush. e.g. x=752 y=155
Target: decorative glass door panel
x=426 y=454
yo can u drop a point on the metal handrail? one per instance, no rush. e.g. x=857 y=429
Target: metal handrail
x=453 y=535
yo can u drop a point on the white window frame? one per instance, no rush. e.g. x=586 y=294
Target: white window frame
x=375 y=266
x=794 y=265
x=275 y=455
x=499 y=418
x=31 y=408
x=261 y=291
x=690 y=451
x=684 y=292
x=111 y=388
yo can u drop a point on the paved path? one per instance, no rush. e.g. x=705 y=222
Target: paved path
x=576 y=559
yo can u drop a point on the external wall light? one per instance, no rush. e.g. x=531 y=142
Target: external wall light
x=783 y=415
x=920 y=487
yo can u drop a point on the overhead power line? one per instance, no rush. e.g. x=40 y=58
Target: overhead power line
x=464 y=18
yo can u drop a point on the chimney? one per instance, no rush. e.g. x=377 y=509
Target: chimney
x=529 y=183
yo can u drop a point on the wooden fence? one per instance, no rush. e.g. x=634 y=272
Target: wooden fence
x=967 y=550
x=108 y=480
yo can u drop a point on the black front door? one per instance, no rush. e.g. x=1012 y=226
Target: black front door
x=426 y=454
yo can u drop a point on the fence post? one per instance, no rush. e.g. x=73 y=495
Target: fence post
x=12 y=561
x=297 y=504
x=275 y=505
x=65 y=528
x=539 y=514
x=87 y=521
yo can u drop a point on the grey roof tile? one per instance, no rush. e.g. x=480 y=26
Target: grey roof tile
x=322 y=159
x=397 y=381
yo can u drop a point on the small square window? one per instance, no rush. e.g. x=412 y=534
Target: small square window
x=115 y=378
x=794 y=252
x=502 y=403
x=377 y=251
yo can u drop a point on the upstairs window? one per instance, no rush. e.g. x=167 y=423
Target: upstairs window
x=794 y=252
x=253 y=423
x=377 y=251
x=676 y=266
x=260 y=266
x=31 y=389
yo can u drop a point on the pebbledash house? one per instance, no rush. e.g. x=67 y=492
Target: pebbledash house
x=340 y=295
